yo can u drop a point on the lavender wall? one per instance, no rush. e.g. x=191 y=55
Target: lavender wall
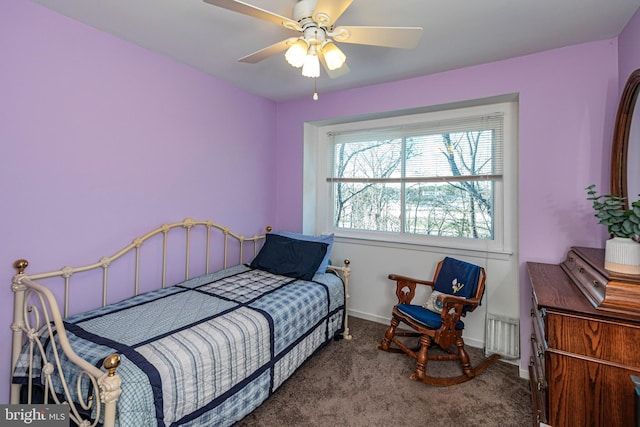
x=99 y=134
x=568 y=99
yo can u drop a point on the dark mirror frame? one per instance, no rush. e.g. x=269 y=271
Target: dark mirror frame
x=620 y=149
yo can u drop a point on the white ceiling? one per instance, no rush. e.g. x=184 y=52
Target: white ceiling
x=457 y=33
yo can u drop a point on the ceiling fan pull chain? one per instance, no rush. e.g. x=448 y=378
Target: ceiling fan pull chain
x=315 y=89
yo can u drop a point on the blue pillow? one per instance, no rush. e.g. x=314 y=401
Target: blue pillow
x=290 y=257
x=328 y=239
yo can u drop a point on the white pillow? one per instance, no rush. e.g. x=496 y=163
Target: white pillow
x=432 y=302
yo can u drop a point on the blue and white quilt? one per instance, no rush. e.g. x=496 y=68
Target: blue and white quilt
x=209 y=350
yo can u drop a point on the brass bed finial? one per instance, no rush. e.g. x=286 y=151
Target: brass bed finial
x=269 y=229
x=111 y=362
x=21 y=265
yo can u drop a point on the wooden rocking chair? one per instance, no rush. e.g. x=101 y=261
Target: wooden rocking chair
x=457 y=289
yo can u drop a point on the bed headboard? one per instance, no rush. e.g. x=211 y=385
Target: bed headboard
x=36 y=306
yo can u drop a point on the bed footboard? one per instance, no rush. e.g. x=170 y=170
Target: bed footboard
x=36 y=311
x=344 y=273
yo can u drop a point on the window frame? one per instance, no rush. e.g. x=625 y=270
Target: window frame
x=318 y=193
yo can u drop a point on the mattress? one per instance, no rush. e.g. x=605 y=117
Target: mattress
x=206 y=351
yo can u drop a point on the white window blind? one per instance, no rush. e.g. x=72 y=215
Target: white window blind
x=425 y=152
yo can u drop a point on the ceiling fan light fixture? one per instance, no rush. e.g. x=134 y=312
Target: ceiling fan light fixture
x=333 y=56
x=296 y=53
x=311 y=66
x=315 y=23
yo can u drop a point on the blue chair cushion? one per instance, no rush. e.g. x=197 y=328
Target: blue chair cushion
x=425 y=317
x=457 y=278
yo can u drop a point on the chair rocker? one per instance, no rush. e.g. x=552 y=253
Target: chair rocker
x=457 y=288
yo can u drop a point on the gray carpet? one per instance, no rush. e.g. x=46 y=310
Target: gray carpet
x=351 y=383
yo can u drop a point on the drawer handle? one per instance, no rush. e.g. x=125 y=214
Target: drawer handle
x=594 y=282
x=540 y=385
x=539 y=351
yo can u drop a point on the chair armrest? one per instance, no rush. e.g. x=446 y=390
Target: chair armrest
x=452 y=299
x=399 y=278
x=403 y=282
x=452 y=306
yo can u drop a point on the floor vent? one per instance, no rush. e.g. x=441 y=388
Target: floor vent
x=503 y=336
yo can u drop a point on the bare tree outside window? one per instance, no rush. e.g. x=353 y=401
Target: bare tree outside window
x=437 y=184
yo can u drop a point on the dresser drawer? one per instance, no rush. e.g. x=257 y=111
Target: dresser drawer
x=538 y=395
x=605 y=290
x=539 y=323
x=608 y=341
x=538 y=361
x=537 y=366
x=539 y=318
x=588 y=279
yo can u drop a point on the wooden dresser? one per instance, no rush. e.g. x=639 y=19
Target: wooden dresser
x=582 y=356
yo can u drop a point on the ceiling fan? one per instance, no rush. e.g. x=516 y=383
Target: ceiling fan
x=315 y=21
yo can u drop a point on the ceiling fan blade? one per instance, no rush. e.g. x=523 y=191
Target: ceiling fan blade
x=402 y=37
x=267 y=51
x=327 y=12
x=333 y=73
x=256 y=12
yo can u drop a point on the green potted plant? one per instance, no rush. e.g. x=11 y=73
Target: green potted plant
x=622 y=251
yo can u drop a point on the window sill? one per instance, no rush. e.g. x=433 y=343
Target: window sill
x=452 y=249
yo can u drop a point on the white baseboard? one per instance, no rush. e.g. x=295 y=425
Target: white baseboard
x=370 y=317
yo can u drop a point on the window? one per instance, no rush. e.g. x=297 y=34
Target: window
x=436 y=177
